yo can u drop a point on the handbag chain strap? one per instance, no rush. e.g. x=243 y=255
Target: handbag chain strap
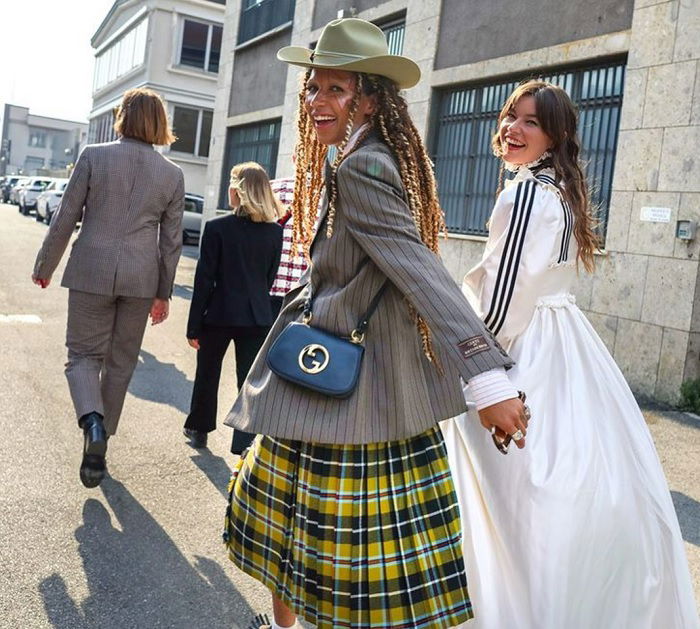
x=358 y=334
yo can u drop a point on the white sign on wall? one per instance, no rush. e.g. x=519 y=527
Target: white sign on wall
x=655 y=214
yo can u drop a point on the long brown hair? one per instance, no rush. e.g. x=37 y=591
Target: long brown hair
x=557 y=116
x=396 y=128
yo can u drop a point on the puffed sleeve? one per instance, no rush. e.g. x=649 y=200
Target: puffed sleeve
x=530 y=234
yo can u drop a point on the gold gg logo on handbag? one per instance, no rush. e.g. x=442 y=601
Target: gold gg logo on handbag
x=310 y=352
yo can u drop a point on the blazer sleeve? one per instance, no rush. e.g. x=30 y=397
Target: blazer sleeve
x=66 y=218
x=378 y=218
x=170 y=239
x=204 y=280
x=277 y=256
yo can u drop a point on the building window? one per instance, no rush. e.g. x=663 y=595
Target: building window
x=394 y=32
x=37 y=138
x=466 y=170
x=201 y=45
x=122 y=56
x=193 y=130
x=250 y=143
x=260 y=16
x=101 y=128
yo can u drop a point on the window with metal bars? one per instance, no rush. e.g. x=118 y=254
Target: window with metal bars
x=466 y=170
x=256 y=142
x=261 y=16
x=394 y=32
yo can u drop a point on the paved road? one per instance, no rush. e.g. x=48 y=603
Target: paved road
x=143 y=550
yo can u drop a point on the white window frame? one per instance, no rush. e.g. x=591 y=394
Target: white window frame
x=207 y=52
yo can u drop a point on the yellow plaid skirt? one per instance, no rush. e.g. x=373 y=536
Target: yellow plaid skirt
x=352 y=535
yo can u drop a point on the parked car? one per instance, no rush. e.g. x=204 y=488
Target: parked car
x=48 y=200
x=26 y=197
x=8 y=181
x=15 y=188
x=192 y=218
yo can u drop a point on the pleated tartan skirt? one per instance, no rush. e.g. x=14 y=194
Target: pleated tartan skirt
x=353 y=536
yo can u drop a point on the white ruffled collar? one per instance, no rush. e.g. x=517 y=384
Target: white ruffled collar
x=516 y=168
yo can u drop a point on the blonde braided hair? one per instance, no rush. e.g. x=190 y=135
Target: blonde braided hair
x=394 y=124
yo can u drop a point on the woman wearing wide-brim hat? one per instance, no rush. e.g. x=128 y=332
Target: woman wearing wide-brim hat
x=344 y=507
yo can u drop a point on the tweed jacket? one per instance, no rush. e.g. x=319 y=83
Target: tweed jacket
x=131 y=200
x=399 y=393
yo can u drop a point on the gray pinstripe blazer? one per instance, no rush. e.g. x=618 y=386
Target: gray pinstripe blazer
x=131 y=234
x=399 y=393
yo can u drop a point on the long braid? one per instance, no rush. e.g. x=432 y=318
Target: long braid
x=308 y=179
x=402 y=137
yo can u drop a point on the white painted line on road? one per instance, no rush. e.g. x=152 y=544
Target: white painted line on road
x=20 y=318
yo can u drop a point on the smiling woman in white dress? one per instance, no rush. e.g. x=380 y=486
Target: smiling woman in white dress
x=579 y=527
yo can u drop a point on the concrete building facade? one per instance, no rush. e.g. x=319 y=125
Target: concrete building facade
x=632 y=68
x=31 y=142
x=173 y=48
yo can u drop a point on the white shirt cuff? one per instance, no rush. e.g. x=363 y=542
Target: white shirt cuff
x=491 y=387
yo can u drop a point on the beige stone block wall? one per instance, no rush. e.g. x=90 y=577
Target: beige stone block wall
x=649 y=278
x=637 y=352
x=666 y=302
x=656 y=239
x=653 y=34
x=606 y=328
x=618 y=286
x=671 y=365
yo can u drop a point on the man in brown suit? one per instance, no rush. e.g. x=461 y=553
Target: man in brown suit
x=121 y=267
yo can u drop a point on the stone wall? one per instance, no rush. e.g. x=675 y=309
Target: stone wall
x=644 y=294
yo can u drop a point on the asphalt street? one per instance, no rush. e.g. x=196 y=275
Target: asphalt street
x=144 y=550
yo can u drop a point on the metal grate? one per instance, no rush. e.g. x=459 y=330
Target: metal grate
x=260 y=16
x=467 y=171
x=394 y=32
x=257 y=142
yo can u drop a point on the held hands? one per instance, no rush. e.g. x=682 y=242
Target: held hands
x=507 y=418
x=41 y=281
x=160 y=308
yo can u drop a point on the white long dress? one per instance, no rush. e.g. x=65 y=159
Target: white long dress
x=578 y=530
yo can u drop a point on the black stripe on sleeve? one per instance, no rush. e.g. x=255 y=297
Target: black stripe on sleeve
x=510 y=261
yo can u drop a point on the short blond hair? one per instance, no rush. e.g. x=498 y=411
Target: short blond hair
x=252 y=184
x=142 y=116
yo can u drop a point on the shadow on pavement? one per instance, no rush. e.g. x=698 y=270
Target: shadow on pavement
x=215 y=469
x=190 y=251
x=161 y=382
x=137 y=577
x=183 y=291
x=688 y=510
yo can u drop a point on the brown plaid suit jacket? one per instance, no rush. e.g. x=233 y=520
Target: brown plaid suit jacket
x=399 y=393
x=131 y=233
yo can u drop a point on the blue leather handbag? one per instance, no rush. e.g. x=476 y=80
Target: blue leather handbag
x=318 y=360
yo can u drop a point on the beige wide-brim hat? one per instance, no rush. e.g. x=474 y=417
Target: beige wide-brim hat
x=354 y=45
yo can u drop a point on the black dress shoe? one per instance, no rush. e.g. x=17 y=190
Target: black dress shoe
x=93 y=467
x=198 y=439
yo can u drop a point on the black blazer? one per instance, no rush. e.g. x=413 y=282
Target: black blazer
x=237 y=265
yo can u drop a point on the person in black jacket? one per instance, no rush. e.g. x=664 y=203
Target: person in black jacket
x=239 y=257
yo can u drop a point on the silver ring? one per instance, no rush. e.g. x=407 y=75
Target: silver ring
x=526 y=411
x=518 y=435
